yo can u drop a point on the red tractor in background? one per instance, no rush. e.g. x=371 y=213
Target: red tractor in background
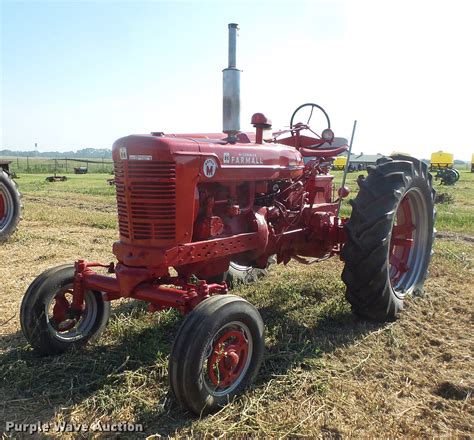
x=10 y=202
x=200 y=203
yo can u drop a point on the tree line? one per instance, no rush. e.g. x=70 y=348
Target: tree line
x=84 y=153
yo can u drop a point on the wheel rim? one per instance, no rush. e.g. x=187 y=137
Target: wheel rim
x=227 y=358
x=6 y=207
x=409 y=243
x=241 y=267
x=244 y=269
x=62 y=322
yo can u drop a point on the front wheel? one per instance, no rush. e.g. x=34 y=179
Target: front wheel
x=216 y=354
x=47 y=320
x=390 y=236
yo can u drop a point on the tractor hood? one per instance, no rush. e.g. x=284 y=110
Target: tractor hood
x=209 y=158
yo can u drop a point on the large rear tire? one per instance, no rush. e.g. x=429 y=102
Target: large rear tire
x=240 y=274
x=10 y=206
x=390 y=236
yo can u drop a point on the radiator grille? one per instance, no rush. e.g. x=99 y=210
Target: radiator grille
x=146 y=199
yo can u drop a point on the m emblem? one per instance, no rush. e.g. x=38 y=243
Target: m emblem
x=209 y=168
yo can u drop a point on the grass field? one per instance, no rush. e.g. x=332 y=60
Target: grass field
x=325 y=373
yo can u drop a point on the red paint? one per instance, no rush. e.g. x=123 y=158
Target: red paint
x=227 y=360
x=61 y=310
x=2 y=207
x=306 y=152
x=401 y=241
x=194 y=202
x=261 y=123
x=343 y=192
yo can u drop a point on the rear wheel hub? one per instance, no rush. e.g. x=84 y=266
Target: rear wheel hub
x=408 y=241
x=6 y=207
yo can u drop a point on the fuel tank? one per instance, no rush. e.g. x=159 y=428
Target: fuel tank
x=157 y=178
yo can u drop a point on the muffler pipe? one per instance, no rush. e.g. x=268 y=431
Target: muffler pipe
x=231 y=89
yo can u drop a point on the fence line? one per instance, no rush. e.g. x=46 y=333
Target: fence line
x=59 y=165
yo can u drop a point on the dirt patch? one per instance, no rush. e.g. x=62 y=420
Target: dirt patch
x=452 y=391
x=444 y=198
x=455 y=236
x=325 y=372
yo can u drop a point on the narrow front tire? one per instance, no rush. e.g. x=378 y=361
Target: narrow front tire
x=216 y=354
x=47 y=320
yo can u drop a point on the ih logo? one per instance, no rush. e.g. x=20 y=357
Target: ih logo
x=226 y=157
x=209 y=168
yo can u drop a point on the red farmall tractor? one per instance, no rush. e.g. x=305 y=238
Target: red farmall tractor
x=201 y=203
x=10 y=203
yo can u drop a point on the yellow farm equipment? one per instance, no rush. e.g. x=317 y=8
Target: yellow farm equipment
x=339 y=162
x=442 y=163
x=441 y=159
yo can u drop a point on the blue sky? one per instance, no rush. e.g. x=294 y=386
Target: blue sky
x=81 y=74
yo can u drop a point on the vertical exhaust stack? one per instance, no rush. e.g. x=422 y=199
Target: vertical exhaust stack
x=231 y=89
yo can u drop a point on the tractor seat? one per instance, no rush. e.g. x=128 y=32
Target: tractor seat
x=336 y=143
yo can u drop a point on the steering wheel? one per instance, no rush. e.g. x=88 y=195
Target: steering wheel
x=309 y=104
